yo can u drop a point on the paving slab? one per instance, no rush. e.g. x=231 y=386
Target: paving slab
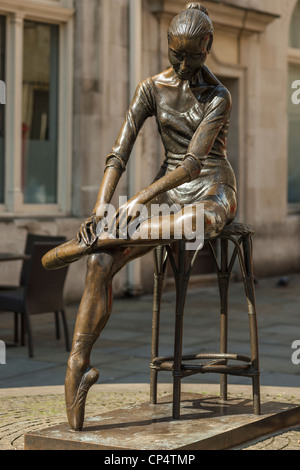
x=35 y=408
x=29 y=387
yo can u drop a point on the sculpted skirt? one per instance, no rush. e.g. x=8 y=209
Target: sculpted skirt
x=214 y=189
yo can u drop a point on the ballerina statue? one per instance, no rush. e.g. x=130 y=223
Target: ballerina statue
x=192 y=110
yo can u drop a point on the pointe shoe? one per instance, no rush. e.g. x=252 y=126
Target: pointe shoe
x=75 y=412
x=64 y=254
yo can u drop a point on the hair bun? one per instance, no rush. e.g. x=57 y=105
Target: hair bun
x=197 y=6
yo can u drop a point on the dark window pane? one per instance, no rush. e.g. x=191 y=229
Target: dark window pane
x=295 y=28
x=39 y=127
x=294 y=138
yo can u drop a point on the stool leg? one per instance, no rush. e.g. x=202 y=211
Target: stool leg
x=250 y=293
x=157 y=294
x=181 y=290
x=224 y=279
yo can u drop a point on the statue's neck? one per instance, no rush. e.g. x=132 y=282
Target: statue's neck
x=197 y=80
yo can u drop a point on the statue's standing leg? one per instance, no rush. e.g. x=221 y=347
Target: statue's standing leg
x=95 y=305
x=93 y=314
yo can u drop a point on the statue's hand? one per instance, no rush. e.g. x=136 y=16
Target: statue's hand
x=87 y=231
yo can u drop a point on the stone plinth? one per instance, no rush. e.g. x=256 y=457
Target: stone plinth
x=205 y=424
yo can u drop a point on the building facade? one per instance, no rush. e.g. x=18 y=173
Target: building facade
x=70 y=68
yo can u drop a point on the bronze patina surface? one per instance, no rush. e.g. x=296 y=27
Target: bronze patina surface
x=192 y=110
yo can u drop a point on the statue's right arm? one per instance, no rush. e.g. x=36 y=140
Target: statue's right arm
x=141 y=107
x=87 y=230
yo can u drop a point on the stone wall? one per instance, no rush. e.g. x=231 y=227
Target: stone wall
x=277 y=242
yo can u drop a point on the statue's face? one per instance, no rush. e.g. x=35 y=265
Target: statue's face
x=187 y=56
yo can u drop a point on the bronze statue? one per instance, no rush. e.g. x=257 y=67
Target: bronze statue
x=192 y=110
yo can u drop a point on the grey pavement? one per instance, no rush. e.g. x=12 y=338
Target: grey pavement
x=122 y=354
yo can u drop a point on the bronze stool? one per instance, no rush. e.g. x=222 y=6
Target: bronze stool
x=241 y=237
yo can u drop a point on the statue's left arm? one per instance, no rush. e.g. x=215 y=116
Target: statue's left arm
x=216 y=116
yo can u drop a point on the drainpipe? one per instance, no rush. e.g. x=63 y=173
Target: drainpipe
x=134 y=278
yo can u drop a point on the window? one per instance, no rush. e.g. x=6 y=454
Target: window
x=36 y=121
x=294 y=111
x=294 y=28
x=294 y=140
x=39 y=114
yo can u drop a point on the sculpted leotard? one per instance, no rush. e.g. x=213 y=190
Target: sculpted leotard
x=193 y=124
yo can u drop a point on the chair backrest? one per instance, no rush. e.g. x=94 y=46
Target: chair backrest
x=44 y=289
x=30 y=240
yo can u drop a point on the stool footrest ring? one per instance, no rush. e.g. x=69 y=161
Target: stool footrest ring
x=217 y=364
x=191 y=357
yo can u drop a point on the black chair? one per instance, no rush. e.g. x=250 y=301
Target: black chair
x=30 y=240
x=33 y=238
x=41 y=293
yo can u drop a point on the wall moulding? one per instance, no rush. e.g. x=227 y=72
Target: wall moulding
x=34 y=9
x=294 y=56
x=223 y=14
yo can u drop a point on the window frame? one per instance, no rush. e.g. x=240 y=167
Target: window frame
x=293 y=59
x=16 y=12
x=4 y=114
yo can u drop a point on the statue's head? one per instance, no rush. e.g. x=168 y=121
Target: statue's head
x=190 y=37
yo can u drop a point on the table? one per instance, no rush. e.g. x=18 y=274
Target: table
x=13 y=257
